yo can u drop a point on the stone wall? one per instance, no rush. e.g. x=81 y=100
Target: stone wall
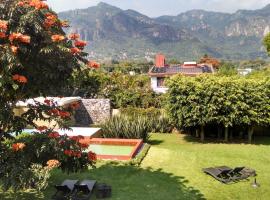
x=93 y=111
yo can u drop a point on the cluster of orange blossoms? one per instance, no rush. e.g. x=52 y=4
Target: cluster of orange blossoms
x=93 y=64
x=75 y=105
x=53 y=164
x=71 y=153
x=62 y=114
x=80 y=43
x=42 y=128
x=57 y=38
x=75 y=50
x=19 y=37
x=19 y=78
x=77 y=138
x=92 y=155
x=84 y=145
x=3 y=28
x=18 y=146
x=48 y=102
x=54 y=135
x=50 y=20
x=37 y=4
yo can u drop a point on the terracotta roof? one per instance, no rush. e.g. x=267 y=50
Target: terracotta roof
x=171 y=70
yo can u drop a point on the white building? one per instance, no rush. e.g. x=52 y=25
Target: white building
x=161 y=71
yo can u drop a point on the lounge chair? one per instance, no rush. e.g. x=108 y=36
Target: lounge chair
x=83 y=190
x=65 y=190
x=219 y=173
x=227 y=175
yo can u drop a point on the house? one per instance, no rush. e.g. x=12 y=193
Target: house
x=245 y=71
x=161 y=70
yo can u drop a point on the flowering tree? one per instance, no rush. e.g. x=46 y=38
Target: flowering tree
x=36 y=59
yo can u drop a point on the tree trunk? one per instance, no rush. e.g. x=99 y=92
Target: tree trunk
x=250 y=134
x=241 y=135
x=231 y=134
x=202 y=133
x=226 y=138
x=197 y=133
x=219 y=132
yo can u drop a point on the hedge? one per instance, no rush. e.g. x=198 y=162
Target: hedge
x=194 y=102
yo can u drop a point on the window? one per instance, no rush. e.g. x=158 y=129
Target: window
x=160 y=82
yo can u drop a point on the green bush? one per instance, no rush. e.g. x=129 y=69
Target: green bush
x=122 y=89
x=20 y=177
x=221 y=101
x=25 y=160
x=161 y=124
x=128 y=127
x=157 y=118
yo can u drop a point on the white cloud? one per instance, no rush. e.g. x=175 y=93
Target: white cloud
x=163 y=7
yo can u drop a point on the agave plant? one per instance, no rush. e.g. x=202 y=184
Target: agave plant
x=129 y=127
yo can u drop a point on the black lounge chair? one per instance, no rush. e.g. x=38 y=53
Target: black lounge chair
x=227 y=175
x=83 y=190
x=65 y=190
x=219 y=173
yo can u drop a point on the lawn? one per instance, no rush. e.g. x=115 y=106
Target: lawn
x=172 y=171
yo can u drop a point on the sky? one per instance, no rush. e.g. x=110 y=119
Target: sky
x=154 y=8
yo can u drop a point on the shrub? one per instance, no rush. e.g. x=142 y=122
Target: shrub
x=161 y=124
x=123 y=90
x=222 y=101
x=129 y=127
x=28 y=159
x=157 y=118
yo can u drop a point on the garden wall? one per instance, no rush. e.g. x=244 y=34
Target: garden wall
x=93 y=111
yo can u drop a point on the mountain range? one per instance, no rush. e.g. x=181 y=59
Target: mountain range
x=114 y=33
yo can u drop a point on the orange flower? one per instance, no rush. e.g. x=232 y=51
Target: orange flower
x=80 y=43
x=14 y=49
x=74 y=36
x=20 y=37
x=53 y=164
x=2 y=35
x=14 y=36
x=47 y=102
x=75 y=50
x=75 y=105
x=57 y=38
x=77 y=154
x=25 y=39
x=92 y=155
x=50 y=20
x=75 y=138
x=19 y=78
x=18 y=146
x=3 y=25
x=38 y=4
x=42 y=128
x=54 y=135
x=64 y=114
x=84 y=145
x=68 y=152
x=93 y=64
x=21 y=3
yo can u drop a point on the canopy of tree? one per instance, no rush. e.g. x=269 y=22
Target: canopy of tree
x=36 y=58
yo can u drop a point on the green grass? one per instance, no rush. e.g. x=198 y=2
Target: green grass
x=172 y=171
